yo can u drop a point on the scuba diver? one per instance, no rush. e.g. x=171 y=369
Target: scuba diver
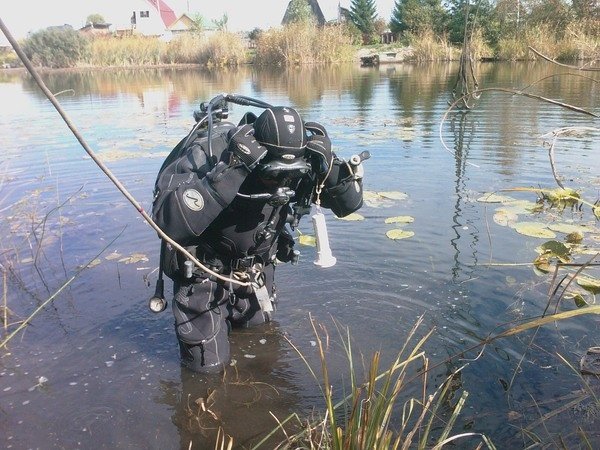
x=231 y=195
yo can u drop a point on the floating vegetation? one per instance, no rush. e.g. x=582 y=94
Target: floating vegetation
x=576 y=237
x=534 y=229
x=382 y=199
x=590 y=284
x=568 y=228
x=550 y=251
x=400 y=219
x=505 y=218
x=308 y=240
x=490 y=197
x=134 y=258
x=398 y=233
x=353 y=217
x=113 y=255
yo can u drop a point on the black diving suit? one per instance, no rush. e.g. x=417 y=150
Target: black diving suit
x=235 y=218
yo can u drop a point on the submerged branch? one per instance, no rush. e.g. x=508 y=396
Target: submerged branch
x=553 y=61
x=555 y=135
x=505 y=91
x=53 y=296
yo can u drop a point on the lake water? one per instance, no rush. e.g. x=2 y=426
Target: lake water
x=110 y=368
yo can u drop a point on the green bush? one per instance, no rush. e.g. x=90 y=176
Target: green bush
x=56 y=47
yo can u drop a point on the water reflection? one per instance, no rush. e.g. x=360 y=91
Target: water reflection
x=243 y=401
x=57 y=212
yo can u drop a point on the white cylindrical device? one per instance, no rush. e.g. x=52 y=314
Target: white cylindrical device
x=324 y=256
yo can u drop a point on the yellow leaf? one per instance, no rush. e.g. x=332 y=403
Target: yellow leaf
x=308 y=240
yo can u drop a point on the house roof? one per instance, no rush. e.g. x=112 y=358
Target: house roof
x=316 y=10
x=166 y=13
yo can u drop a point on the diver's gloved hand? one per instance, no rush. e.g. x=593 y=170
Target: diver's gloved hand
x=244 y=147
x=315 y=128
x=319 y=151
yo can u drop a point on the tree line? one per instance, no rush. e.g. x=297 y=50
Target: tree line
x=495 y=19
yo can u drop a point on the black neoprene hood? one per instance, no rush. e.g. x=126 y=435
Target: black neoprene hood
x=281 y=130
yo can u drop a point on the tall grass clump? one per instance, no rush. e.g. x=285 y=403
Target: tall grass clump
x=578 y=41
x=376 y=414
x=187 y=48
x=126 y=51
x=427 y=46
x=304 y=43
x=224 y=49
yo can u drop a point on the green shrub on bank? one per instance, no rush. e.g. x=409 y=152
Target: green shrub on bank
x=304 y=43
x=56 y=47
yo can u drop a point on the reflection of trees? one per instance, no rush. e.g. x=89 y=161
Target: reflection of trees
x=188 y=84
x=303 y=85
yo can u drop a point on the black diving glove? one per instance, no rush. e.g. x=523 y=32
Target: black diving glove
x=319 y=151
x=244 y=147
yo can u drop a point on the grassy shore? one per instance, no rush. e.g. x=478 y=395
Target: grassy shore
x=298 y=44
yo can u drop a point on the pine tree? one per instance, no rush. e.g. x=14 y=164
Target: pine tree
x=363 y=14
x=417 y=16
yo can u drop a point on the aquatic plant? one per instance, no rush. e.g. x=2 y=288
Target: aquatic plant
x=376 y=414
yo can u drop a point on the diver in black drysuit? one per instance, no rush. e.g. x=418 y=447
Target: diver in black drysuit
x=234 y=217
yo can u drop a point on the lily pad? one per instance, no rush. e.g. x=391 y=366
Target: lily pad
x=400 y=219
x=522 y=207
x=398 y=233
x=534 y=229
x=505 y=218
x=353 y=217
x=590 y=284
x=567 y=228
x=490 y=197
x=308 y=240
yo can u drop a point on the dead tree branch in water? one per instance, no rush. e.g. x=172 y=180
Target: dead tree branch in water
x=466 y=73
x=566 y=131
x=50 y=299
x=505 y=91
x=553 y=61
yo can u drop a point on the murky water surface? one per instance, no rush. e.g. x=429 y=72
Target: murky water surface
x=96 y=369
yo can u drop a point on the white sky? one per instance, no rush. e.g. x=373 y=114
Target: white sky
x=22 y=16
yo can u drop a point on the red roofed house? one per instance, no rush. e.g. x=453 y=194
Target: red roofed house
x=146 y=17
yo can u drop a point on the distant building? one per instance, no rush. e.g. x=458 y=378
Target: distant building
x=183 y=24
x=96 y=29
x=316 y=11
x=144 y=17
